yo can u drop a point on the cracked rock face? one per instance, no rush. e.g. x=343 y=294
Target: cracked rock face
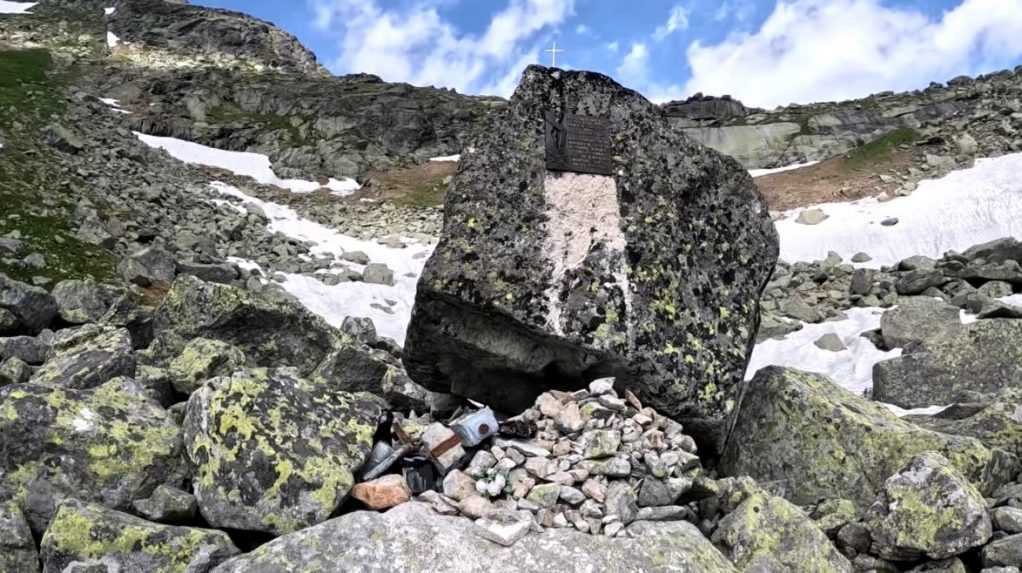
x=545 y=279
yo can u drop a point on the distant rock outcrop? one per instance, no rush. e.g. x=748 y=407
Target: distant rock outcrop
x=545 y=279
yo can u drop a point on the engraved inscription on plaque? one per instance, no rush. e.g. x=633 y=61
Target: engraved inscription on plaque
x=579 y=143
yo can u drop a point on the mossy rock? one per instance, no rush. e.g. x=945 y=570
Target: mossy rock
x=89 y=535
x=928 y=509
x=273 y=452
x=767 y=533
x=270 y=332
x=17 y=547
x=815 y=441
x=111 y=445
x=93 y=357
x=201 y=360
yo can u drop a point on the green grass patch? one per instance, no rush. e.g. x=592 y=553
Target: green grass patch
x=36 y=198
x=35 y=208
x=30 y=88
x=881 y=148
x=426 y=194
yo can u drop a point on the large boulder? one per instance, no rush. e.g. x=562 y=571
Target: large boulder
x=81 y=301
x=354 y=367
x=273 y=452
x=90 y=537
x=412 y=538
x=151 y=266
x=817 y=441
x=201 y=360
x=28 y=309
x=768 y=533
x=979 y=359
x=269 y=332
x=111 y=445
x=88 y=357
x=916 y=319
x=552 y=279
x=927 y=509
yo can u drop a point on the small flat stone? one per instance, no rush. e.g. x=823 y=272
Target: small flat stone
x=383 y=492
x=503 y=528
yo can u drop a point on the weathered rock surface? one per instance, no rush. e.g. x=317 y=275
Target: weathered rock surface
x=767 y=533
x=980 y=359
x=927 y=509
x=167 y=505
x=30 y=308
x=90 y=537
x=996 y=421
x=111 y=445
x=354 y=367
x=17 y=547
x=917 y=319
x=819 y=441
x=273 y=452
x=544 y=279
x=91 y=356
x=201 y=360
x=412 y=538
x=269 y=332
x=81 y=301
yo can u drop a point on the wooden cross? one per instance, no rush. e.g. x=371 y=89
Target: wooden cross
x=553 y=51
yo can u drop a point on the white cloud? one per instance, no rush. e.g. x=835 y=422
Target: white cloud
x=415 y=44
x=678 y=20
x=635 y=65
x=582 y=30
x=613 y=47
x=818 y=50
x=739 y=10
x=634 y=72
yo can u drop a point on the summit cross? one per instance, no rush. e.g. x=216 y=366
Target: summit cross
x=553 y=51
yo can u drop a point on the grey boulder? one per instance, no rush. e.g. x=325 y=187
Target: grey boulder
x=148 y=267
x=91 y=357
x=17 y=547
x=916 y=319
x=979 y=359
x=90 y=537
x=30 y=309
x=81 y=301
x=928 y=509
x=412 y=538
x=553 y=279
x=273 y=452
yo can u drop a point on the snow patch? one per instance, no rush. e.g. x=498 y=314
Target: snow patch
x=114 y=105
x=955 y=212
x=8 y=7
x=390 y=307
x=455 y=158
x=851 y=368
x=762 y=172
x=112 y=40
x=109 y=11
x=254 y=165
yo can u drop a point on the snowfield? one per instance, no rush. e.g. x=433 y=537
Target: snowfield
x=964 y=208
x=8 y=7
x=254 y=165
x=390 y=307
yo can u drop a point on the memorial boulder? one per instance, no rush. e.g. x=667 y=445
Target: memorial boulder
x=584 y=238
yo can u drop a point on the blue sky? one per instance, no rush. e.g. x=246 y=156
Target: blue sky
x=765 y=52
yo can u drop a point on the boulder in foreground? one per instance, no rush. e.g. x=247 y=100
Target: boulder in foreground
x=817 y=441
x=273 y=452
x=542 y=278
x=413 y=539
x=89 y=537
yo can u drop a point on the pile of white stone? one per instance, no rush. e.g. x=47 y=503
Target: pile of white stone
x=596 y=463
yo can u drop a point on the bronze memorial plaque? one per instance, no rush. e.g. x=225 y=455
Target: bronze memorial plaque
x=579 y=143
